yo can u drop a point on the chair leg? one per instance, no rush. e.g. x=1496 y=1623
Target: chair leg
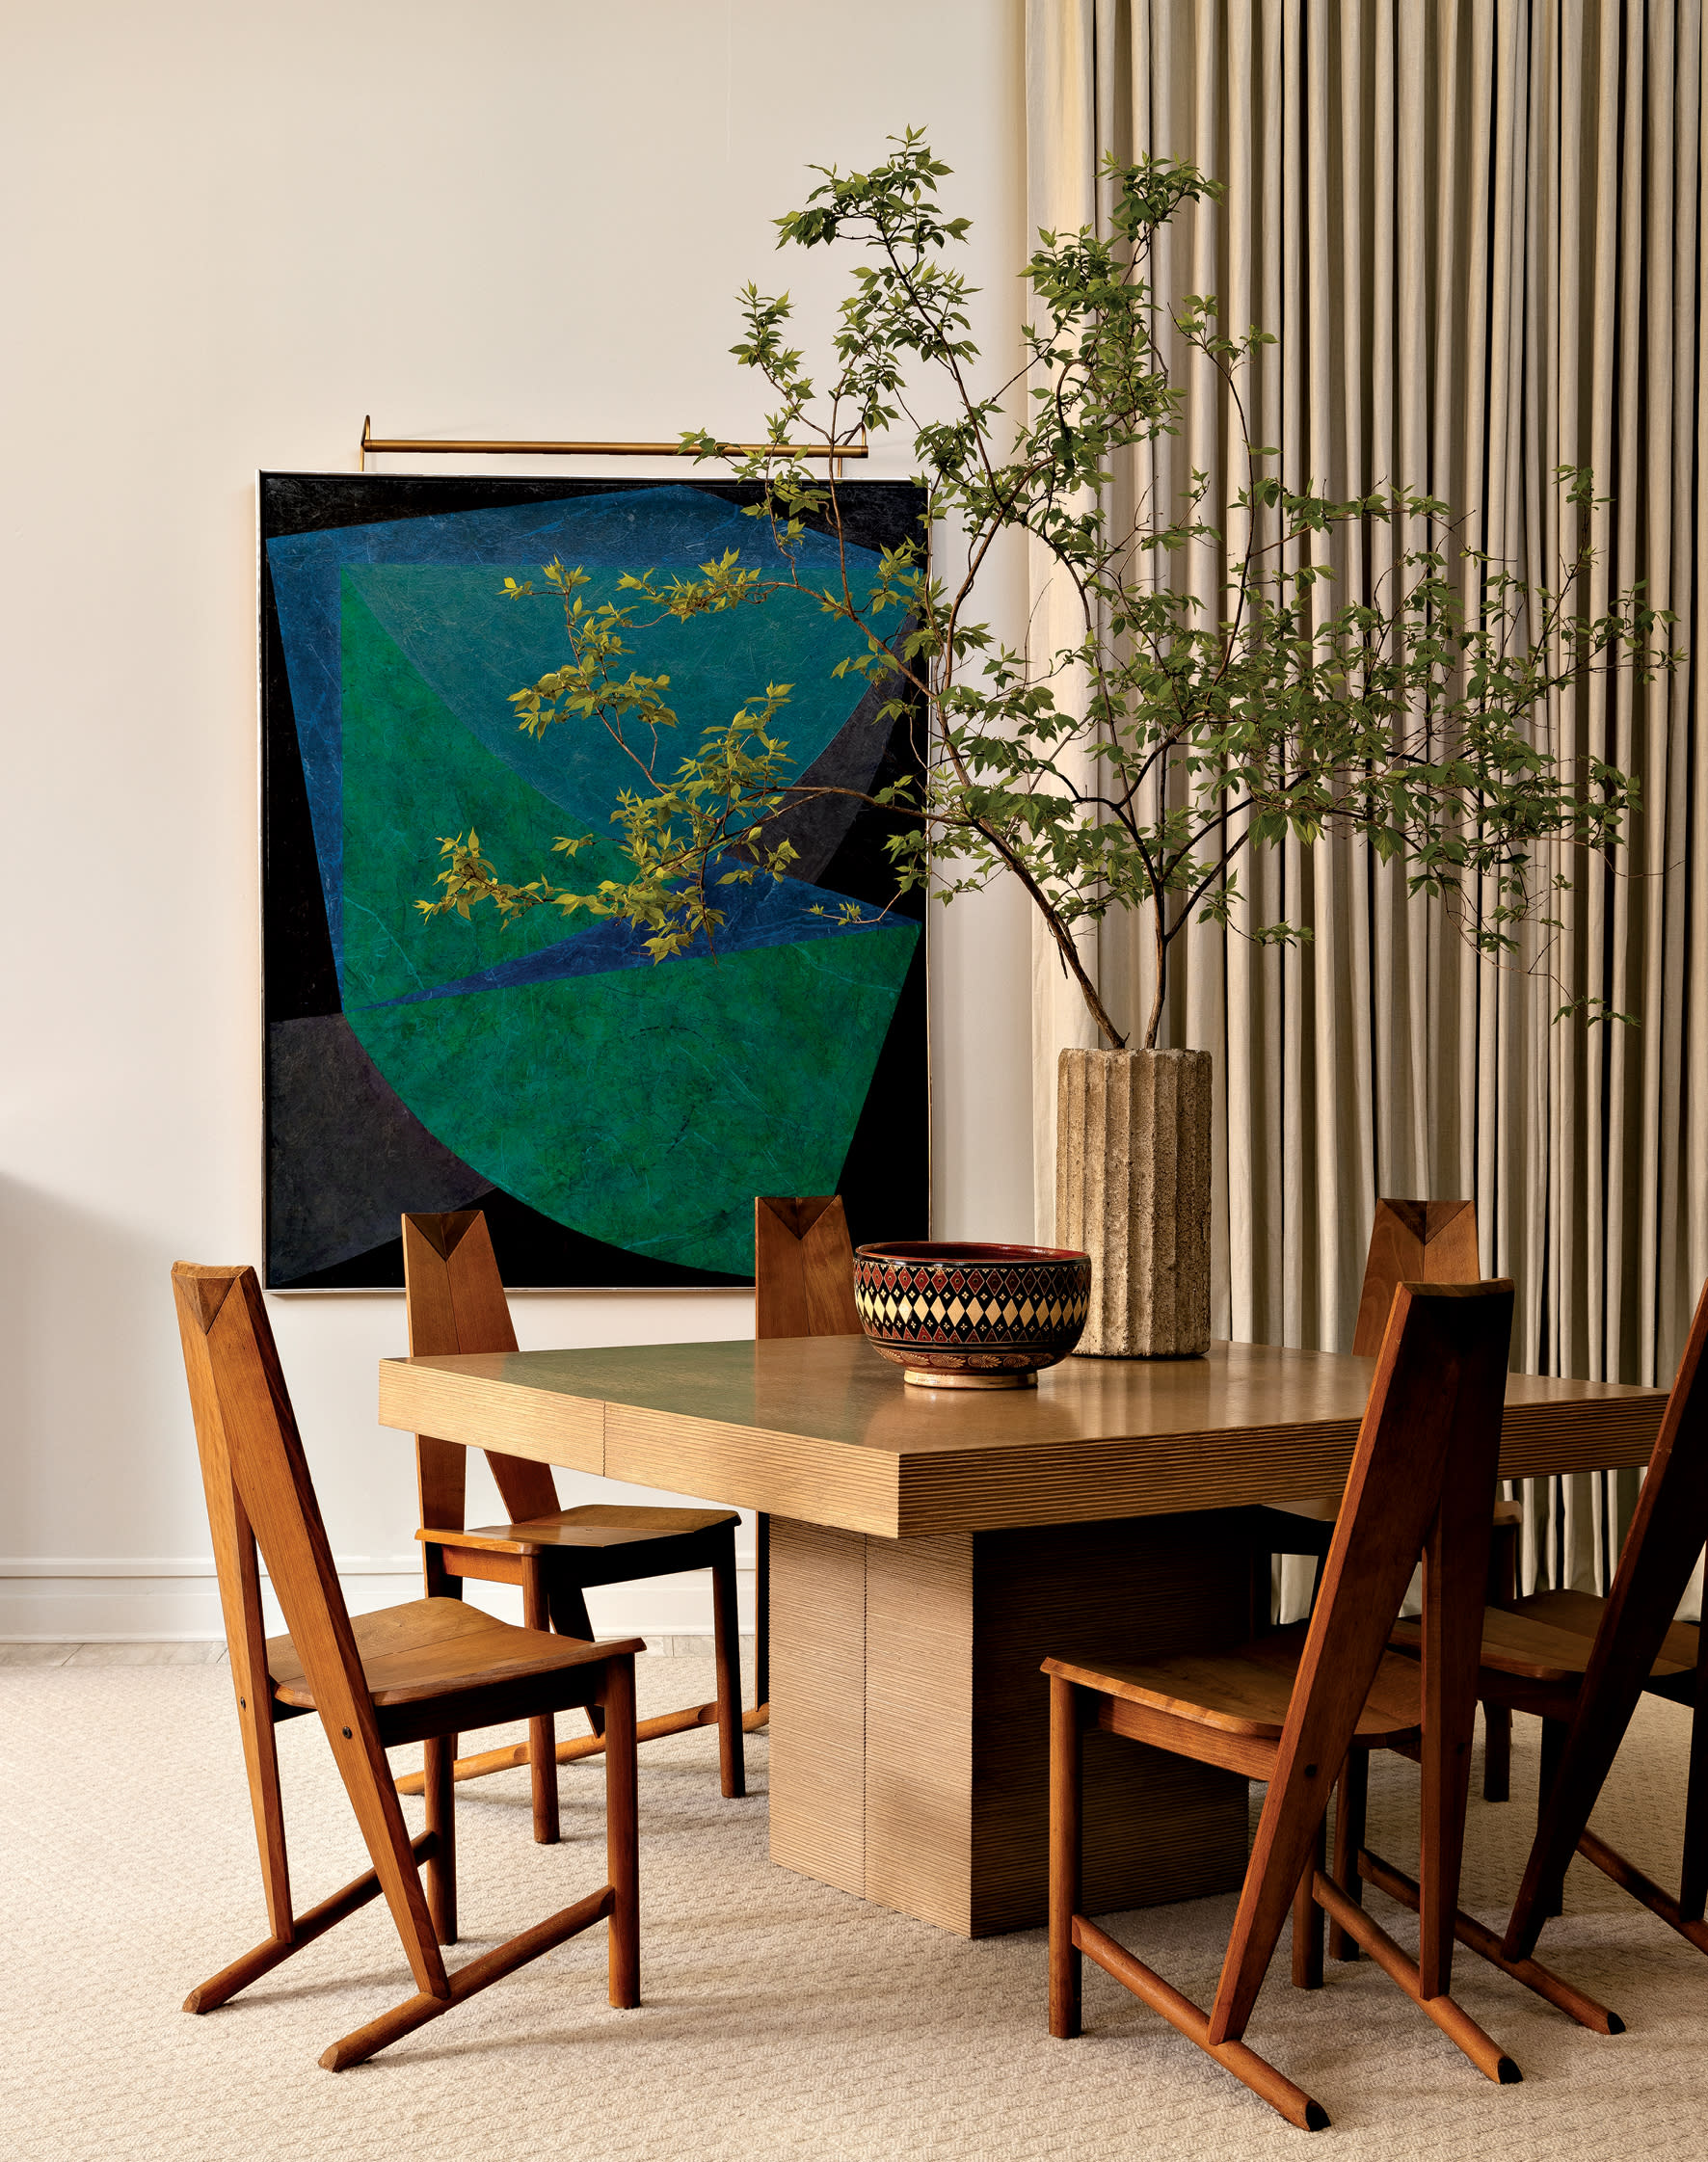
x=542 y=1780
x=1307 y=1918
x=1245 y=2065
x=1348 y=1843
x=725 y=1623
x=261 y=1753
x=1553 y=1988
x=253 y=1693
x=439 y=1754
x=1497 y=1751
x=623 y=1832
x=568 y=1602
x=1693 y=1884
x=1502 y=1566
x=1625 y=1873
x=1066 y=1782
x=468 y=1982
x=1497 y=1719
x=1262 y=1591
x=1455 y=2023
x=569 y=1618
x=300 y=1929
x=1553 y=1734
x=541 y=1731
x=762 y=1590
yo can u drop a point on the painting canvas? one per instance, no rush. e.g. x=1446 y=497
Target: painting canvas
x=613 y=1117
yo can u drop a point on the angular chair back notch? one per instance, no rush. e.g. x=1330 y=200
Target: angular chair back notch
x=456 y=1304
x=803 y=1267
x=803 y=1284
x=1412 y=1242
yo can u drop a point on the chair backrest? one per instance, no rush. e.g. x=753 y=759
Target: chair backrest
x=1412 y=1242
x=456 y=1303
x=1668 y=1530
x=198 y=1294
x=803 y=1267
x=1423 y=1479
x=259 y=1493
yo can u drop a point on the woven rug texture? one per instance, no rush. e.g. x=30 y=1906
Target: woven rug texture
x=780 y=2018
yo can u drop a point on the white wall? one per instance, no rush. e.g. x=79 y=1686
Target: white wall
x=233 y=229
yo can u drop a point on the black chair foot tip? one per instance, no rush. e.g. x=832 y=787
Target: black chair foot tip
x=1316 y=2117
x=1508 y=2072
x=1614 y=2024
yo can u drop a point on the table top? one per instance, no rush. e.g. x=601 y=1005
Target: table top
x=824 y=1429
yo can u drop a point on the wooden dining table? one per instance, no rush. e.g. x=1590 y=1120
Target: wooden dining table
x=930 y=1547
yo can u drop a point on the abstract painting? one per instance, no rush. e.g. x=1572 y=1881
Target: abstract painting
x=613 y=1117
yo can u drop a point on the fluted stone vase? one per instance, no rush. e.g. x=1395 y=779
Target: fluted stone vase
x=1133 y=1191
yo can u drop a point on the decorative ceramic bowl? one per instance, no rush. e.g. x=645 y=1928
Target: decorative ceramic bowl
x=972 y=1317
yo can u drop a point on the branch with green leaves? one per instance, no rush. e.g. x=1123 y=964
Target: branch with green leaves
x=686 y=834
x=1133 y=767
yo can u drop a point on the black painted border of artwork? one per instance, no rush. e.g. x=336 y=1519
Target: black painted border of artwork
x=298 y=974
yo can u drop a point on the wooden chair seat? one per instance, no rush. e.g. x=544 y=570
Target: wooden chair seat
x=1247 y=1691
x=1549 y=1637
x=430 y=1648
x=1579 y=1614
x=594 y=1525
x=1314 y=1521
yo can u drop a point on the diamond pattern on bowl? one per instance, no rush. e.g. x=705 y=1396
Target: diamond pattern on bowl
x=1015 y=1310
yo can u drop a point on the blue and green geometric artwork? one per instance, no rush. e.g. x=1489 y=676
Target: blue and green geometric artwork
x=614 y=1116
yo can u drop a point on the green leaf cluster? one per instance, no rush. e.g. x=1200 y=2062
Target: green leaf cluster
x=1133 y=767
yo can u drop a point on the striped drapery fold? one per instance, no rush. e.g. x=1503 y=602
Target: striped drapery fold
x=1473 y=228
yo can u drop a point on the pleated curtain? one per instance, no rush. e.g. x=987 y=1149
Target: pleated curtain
x=1472 y=226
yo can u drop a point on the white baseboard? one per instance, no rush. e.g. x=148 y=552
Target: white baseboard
x=130 y=1599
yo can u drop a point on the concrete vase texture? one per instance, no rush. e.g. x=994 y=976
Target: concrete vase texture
x=1133 y=1191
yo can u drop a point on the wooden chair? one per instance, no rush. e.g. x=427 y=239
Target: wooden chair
x=419 y=1672
x=803 y=1284
x=457 y=1304
x=1410 y=1241
x=1580 y=1664
x=1290 y=1706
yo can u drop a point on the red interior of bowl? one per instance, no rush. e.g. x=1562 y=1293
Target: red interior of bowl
x=948 y=1253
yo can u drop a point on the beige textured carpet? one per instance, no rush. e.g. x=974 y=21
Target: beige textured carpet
x=780 y=2018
